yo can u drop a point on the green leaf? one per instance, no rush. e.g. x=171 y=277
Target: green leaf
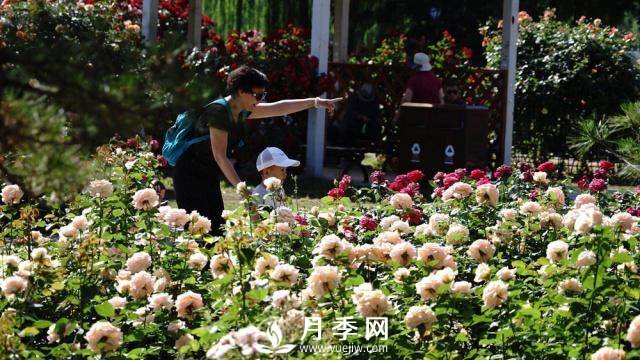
x=29 y=331
x=42 y=324
x=105 y=309
x=621 y=258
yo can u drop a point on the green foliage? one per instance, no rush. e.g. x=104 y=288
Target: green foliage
x=565 y=72
x=617 y=137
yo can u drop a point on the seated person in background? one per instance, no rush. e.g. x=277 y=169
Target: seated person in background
x=272 y=163
x=452 y=94
x=361 y=123
x=423 y=86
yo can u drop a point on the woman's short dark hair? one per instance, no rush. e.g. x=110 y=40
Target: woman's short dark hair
x=246 y=78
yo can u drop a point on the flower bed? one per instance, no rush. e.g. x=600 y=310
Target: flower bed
x=500 y=264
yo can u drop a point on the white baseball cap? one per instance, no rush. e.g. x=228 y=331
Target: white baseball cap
x=273 y=156
x=422 y=59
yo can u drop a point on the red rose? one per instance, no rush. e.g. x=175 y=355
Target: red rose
x=368 y=223
x=635 y=211
x=450 y=180
x=484 y=180
x=546 y=166
x=411 y=189
x=413 y=216
x=396 y=186
x=597 y=185
x=415 y=175
x=336 y=193
x=477 y=174
x=402 y=179
x=132 y=142
x=162 y=161
x=300 y=219
x=438 y=191
x=503 y=171
x=461 y=173
x=583 y=183
x=600 y=173
x=606 y=165
x=154 y=145
x=439 y=176
x=344 y=183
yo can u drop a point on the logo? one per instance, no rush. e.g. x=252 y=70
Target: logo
x=275 y=336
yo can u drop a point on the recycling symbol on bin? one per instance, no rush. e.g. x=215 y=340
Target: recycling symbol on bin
x=449 y=152
x=415 y=151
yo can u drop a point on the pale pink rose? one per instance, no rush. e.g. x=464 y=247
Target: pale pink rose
x=446 y=275
x=141 y=285
x=161 y=301
x=265 y=263
x=623 y=220
x=283 y=228
x=283 y=214
x=124 y=275
x=199 y=224
x=330 y=247
x=481 y=250
x=11 y=194
x=190 y=244
x=183 y=340
x=506 y=274
x=403 y=253
x=586 y=258
x=487 y=194
x=495 y=294
x=68 y=231
x=329 y=217
x=461 y=287
x=434 y=252
x=550 y=220
x=401 y=227
x=175 y=326
x=100 y=188
x=540 y=177
x=401 y=274
x=220 y=265
x=428 y=287
x=420 y=315
x=103 y=337
x=39 y=255
x=176 y=218
x=272 y=184
x=556 y=195
x=583 y=199
x=187 y=304
x=11 y=260
x=508 y=214
x=439 y=223
x=530 y=208
x=569 y=219
x=373 y=304
x=197 y=261
x=280 y=299
x=571 y=285
x=118 y=302
x=583 y=224
x=557 y=250
x=458 y=191
x=54 y=337
x=389 y=237
x=386 y=222
x=13 y=285
x=285 y=273
x=295 y=318
x=608 y=353
x=423 y=230
x=138 y=262
x=401 y=201
x=145 y=199
x=380 y=252
x=80 y=222
x=633 y=333
x=37 y=237
x=483 y=273
x=123 y=286
x=323 y=279
x=457 y=234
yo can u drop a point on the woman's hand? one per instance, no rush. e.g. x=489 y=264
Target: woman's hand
x=329 y=104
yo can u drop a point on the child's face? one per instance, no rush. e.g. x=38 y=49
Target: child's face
x=275 y=171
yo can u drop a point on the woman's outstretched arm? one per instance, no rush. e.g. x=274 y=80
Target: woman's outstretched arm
x=284 y=107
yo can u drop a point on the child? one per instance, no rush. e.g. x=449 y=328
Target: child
x=272 y=163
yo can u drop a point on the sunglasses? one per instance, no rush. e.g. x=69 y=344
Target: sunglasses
x=260 y=96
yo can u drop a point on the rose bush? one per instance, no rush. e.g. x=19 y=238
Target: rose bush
x=490 y=264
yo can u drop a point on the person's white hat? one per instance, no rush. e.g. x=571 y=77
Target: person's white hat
x=422 y=59
x=273 y=156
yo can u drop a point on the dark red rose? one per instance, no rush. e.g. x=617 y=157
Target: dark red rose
x=635 y=211
x=415 y=175
x=413 y=216
x=377 y=177
x=600 y=174
x=300 y=219
x=154 y=145
x=477 y=174
x=368 y=223
x=411 y=189
x=523 y=166
x=533 y=195
x=583 y=183
x=503 y=171
x=546 y=166
x=132 y=143
x=597 y=185
x=162 y=161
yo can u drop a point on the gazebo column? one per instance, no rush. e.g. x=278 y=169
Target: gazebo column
x=316 y=119
x=508 y=63
x=341 y=31
x=149 y=21
x=194 y=31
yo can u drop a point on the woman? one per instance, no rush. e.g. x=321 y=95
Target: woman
x=196 y=178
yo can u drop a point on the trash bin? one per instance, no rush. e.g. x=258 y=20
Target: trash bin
x=442 y=137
